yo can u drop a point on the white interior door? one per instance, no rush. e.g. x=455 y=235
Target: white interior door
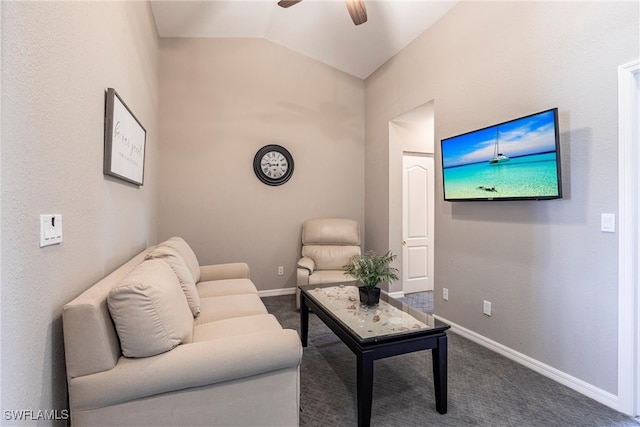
x=417 y=223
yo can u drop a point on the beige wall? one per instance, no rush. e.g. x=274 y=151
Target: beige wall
x=548 y=270
x=222 y=100
x=57 y=61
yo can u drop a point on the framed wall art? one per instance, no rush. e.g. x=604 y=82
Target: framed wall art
x=124 y=141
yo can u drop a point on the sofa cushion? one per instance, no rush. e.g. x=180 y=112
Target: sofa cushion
x=218 y=288
x=329 y=276
x=187 y=255
x=259 y=323
x=228 y=306
x=150 y=311
x=179 y=267
x=331 y=231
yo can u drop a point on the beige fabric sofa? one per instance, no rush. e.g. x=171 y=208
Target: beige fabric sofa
x=232 y=365
x=327 y=245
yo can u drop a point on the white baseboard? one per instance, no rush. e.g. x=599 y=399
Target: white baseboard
x=398 y=294
x=277 y=292
x=563 y=378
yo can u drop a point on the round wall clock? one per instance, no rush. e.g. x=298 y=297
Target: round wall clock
x=273 y=164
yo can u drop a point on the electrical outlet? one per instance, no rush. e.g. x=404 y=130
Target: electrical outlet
x=280 y=271
x=487 y=308
x=445 y=294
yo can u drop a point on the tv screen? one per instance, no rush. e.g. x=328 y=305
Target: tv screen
x=514 y=160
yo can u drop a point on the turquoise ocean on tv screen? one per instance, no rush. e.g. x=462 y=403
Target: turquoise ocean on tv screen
x=533 y=175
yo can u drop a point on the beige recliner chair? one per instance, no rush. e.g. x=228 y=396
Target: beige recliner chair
x=327 y=245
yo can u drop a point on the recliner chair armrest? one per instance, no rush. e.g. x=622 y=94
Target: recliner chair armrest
x=188 y=366
x=307 y=263
x=233 y=270
x=302 y=277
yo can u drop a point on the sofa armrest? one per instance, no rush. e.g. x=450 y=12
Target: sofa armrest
x=307 y=263
x=186 y=366
x=233 y=270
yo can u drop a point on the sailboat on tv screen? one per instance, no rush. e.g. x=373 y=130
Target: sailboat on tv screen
x=498 y=157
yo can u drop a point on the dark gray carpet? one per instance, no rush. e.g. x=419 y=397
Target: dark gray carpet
x=485 y=389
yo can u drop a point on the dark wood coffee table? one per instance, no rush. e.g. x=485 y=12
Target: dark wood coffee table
x=387 y=329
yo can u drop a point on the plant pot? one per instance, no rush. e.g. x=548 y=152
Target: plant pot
x=369 y=296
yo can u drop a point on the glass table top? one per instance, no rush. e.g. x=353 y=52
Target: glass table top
x=390 y=317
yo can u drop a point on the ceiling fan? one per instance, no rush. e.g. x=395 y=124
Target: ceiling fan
x=357 y=9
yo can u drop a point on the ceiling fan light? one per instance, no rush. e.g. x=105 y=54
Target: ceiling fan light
x=357 y=10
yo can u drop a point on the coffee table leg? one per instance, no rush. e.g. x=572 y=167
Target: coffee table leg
x=304 y=320
x=365 y=388
x=439 y=356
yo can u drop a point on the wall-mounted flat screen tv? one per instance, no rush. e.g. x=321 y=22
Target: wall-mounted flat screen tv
x=514 y=160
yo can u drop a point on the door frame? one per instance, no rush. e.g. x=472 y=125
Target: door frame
x=629 y=238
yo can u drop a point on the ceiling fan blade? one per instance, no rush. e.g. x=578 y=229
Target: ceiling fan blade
x=288 y=3
x=357 y=10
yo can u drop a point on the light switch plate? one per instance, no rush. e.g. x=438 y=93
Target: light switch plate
x=50 y=230
x=608 y=222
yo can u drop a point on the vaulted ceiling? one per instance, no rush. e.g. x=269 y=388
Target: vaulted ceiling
x=320 y=29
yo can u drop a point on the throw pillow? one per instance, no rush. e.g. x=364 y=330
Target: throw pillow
x=186 y=253
x=150 y=311
x=179 y=267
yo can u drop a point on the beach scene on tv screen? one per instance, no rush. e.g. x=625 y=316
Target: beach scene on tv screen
x=511 y=160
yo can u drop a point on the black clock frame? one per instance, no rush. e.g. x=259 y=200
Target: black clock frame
x=257 y=159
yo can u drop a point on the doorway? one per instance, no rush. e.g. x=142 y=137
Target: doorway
x=412 y=134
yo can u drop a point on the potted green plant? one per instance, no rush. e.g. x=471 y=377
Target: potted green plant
x=371 y=269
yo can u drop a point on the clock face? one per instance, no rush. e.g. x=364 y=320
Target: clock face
x=273 y=165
